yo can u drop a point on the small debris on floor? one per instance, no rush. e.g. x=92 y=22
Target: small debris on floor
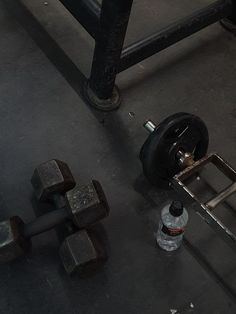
x=192 y=305
x=173 y=311
x=131 y=114
x=141 y=66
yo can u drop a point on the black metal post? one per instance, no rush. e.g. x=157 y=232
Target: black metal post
x=87 y=12
x=100 y=90
x=172 y=34
x=230 y=22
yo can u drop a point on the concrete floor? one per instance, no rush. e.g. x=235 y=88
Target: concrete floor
x=42 y=116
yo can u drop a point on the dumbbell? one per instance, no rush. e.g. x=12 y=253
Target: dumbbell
x=82 y=252
x=85 y=205
x=53 y=181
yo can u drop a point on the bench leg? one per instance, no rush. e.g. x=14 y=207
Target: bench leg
x=230 y=22
x=100 y=90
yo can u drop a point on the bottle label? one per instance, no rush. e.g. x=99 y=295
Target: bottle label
x=173 y=232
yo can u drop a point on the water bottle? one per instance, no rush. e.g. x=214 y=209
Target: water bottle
x=174 y=218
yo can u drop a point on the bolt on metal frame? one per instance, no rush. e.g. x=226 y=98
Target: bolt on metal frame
x=107 y=24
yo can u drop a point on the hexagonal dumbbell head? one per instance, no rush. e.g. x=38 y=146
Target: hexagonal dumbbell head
x=82 y=253
x=87 y=204
x=12 y=242
x=53 y=176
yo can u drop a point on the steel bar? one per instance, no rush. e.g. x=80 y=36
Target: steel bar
x=204 y=210
x=87 y=12
x=225 y=234
x=177 y=31
x=114 y=21
x=211 y=204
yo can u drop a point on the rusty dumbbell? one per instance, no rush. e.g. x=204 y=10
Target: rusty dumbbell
x=83 y=206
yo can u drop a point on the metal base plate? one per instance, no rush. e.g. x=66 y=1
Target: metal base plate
x=229 y=25
x=109 y=104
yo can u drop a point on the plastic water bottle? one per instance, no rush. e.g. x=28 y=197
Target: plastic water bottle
x=174 y=218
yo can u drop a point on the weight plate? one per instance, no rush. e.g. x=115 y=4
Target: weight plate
x=181 y=131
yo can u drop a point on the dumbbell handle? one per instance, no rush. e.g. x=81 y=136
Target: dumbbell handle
x=59 y=200
x=45 y=222
x=50 y=220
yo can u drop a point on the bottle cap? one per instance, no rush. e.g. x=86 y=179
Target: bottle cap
x=176 y=208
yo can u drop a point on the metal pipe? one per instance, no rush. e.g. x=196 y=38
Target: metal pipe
x=87 y=12
x=211 y=204
x=113 y=24
x=177 y=31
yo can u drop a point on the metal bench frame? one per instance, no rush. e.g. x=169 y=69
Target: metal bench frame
x=107 y=24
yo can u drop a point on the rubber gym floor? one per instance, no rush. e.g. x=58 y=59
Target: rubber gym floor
x=42 y=116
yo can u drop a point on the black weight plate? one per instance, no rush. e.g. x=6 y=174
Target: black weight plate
x=181 y=131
